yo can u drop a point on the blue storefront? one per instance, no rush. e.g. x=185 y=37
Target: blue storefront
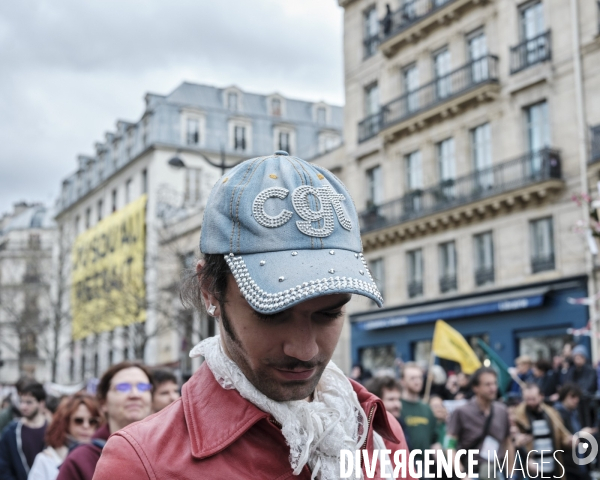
x=533 y=320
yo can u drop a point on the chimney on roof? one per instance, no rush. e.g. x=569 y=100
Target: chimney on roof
x=20 y=207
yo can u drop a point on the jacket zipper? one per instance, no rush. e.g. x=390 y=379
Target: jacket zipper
x=276 y=423
x=364 y=446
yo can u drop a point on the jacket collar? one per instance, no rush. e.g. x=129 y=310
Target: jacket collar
x=217 y=417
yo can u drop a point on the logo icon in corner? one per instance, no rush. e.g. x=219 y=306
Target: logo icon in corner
x=585 y=448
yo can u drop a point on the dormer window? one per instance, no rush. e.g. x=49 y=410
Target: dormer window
x=193 y=131
x=276 y=107
x=232 y=101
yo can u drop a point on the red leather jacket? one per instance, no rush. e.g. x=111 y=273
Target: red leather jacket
x=213 y=433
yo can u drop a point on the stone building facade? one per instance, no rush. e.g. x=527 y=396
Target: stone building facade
x=27 y=307
x=468 y=129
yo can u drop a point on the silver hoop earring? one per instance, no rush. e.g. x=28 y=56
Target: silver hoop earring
x=211 y=309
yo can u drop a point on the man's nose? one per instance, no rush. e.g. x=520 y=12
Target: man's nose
x=301 y=341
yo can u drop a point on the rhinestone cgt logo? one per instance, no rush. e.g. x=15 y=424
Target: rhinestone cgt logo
x=329 y=202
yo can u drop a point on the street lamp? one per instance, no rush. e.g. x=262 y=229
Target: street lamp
x=177 y=162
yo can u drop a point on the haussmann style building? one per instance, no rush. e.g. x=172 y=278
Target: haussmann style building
x=468 y=127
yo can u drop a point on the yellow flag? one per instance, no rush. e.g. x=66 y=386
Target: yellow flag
x=451 y=345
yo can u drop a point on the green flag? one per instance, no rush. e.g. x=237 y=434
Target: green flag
x=497 y=364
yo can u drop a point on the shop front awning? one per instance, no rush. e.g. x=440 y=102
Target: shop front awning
x=460 y=308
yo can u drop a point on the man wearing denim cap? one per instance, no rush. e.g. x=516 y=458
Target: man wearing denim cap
x=282 y=256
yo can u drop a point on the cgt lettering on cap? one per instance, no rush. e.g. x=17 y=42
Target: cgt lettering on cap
x=329 y=202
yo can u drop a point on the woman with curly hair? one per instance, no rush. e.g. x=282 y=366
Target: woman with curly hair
x=74 y=422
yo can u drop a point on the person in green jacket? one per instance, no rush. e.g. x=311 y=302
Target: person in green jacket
x=420 y=422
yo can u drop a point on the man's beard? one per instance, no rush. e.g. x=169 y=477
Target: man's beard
x=32 y=415
x=262 y=379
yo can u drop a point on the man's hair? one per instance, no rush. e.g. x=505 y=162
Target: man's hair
x=569 y=389
x=35 y=389
x=523 y=359
x=213 y=277
x=377 y=385
x=161 y=376
x=21 y=382
x=408 y=365
x=543 y=365
x=104 y=383
x=476 y=377
x=533 y=386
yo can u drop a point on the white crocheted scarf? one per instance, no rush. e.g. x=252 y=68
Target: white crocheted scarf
x=315 y=431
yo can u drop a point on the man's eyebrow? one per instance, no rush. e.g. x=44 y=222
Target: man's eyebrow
x=337 y=305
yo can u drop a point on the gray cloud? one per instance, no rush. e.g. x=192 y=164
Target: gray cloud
x=70 y=69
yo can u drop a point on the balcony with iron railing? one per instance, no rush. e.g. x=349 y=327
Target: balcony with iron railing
x=415 y=288
x=542 y=262
x=448 y=283
x=531 y=51
x=529 y=169
x=595 y=144
x=484 y=275
x=465 y=84
x=416 y=18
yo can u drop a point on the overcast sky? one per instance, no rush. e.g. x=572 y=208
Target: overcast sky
x=69 y=69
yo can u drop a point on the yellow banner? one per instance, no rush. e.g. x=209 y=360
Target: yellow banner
x=108 y=288
x=451 y=345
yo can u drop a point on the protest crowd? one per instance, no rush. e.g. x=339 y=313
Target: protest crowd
x=47 y=438
x=536 y=406
x=542 y=406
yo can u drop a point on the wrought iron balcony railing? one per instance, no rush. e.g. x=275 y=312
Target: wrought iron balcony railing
x=484 y=275
x=369 y=127
x=448 y=283
x=475 y=73
x=595 y=141
x=530 y=52
x=415 y=288
x=541 y=263
x=528 y=169
x=411 y=12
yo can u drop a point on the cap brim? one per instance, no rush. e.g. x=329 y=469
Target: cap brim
x=274 y=281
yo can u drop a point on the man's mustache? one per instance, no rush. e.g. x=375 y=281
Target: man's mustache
x=291 y=363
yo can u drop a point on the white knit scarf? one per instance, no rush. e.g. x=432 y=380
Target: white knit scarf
x=315 y=431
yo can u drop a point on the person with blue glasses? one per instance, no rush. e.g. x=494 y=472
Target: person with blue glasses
x=282 y=256
x=125 y=396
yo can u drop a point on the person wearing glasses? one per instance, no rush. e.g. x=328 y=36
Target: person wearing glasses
x=74 y=422
x=125 y=396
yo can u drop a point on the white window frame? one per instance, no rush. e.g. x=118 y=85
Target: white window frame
x=371 y=103
x=248 y=135
x=193 y=115
x=374 y=186
x=277 y=131
x=282 y=106
x=240 y=99
x=327 y=109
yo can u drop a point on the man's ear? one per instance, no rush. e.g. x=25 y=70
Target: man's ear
x=207 y=297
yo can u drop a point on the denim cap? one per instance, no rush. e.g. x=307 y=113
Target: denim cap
x=289 y=231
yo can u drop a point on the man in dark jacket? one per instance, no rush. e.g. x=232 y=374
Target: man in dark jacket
x=569 y=396
x=23 y=439
x=583 y=375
